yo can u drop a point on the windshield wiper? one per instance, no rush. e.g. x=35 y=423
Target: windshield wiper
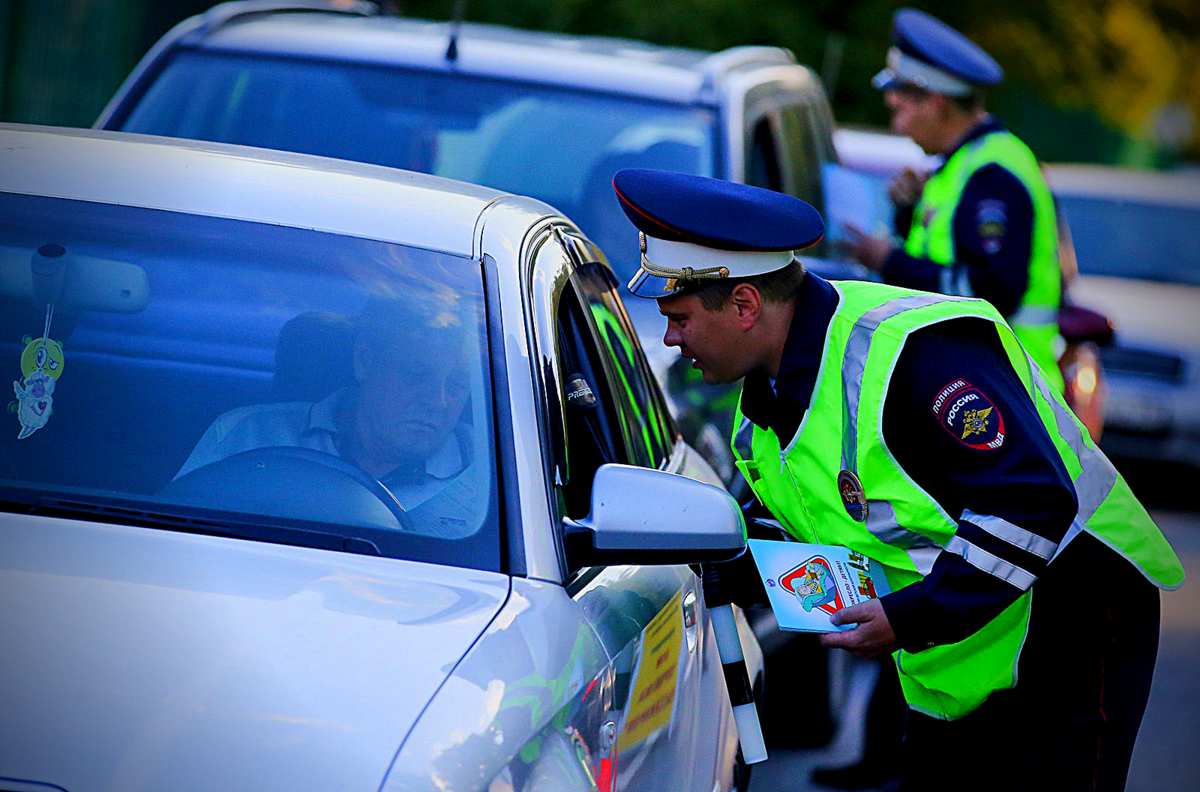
x=208 y=522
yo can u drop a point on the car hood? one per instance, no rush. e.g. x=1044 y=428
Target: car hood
x=1144 y=313
x=142 y=659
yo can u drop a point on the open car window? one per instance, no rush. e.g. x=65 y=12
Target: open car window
x=246 y=379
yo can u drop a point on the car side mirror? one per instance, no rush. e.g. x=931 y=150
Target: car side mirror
x=644 y=516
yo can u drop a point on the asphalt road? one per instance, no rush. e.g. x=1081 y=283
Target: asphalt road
x=1167 y=756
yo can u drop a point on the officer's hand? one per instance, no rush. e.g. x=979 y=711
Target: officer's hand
x=873 y=637
x=871 y=252
x=905 y=189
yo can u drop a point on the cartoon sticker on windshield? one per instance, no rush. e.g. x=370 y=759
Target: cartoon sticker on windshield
x=41 y=366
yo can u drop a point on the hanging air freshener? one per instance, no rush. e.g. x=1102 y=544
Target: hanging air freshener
x=41 y=366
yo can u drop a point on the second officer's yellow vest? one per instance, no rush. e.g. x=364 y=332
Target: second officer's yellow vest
x=906 y=529
x=931 y=236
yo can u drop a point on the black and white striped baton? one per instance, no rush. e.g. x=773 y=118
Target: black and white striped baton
x=717 y=600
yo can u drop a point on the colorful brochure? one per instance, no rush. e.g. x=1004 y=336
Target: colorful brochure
x=808 y=583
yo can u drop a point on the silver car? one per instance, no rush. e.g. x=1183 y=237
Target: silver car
x=323 y=475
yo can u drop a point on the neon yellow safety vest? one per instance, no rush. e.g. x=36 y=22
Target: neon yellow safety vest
x=931 y=236
x=905 y=528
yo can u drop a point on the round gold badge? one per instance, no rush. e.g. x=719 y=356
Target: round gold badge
x=854 y=498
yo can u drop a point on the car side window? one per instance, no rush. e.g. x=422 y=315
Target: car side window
x=584 y=429
x=592 y=436
x=641 y=410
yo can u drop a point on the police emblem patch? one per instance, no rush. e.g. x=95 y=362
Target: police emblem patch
x=854 y=498
x=992 y=223
x=967 y=413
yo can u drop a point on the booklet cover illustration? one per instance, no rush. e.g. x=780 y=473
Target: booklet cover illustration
x=808 y=583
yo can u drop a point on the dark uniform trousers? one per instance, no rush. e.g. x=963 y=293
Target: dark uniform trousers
x=1083 y=682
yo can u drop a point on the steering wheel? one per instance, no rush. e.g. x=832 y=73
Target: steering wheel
x=282 y=480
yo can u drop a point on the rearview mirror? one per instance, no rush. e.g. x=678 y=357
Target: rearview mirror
x=643 y=516
x=51 y=274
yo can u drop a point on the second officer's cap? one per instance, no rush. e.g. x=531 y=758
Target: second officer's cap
x=931 y=55
x=694 y=228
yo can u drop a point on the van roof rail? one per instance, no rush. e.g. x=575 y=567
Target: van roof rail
x=225 y=13
x=734 y=58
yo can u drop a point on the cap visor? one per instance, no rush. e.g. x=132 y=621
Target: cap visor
x=649 y=286
x=885 y=79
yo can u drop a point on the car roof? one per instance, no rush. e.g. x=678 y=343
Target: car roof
x=245 y=183
x=1128 y=184
x=592 y=62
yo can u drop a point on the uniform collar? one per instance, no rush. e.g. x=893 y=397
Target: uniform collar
x=985 y=127
x=782 y=407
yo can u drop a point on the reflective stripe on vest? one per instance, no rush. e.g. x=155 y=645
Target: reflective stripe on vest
x=881 y=516
x=1034 y=315
x=1012 y=534
x=855 y=361
x=983 y=560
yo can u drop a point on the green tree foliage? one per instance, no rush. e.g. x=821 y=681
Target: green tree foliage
x=1107 y=80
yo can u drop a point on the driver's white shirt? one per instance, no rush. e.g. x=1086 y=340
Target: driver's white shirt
x=315 y=426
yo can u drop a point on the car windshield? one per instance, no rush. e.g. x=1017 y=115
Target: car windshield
x=247 y=380
x=558 y=145
x=1132 y=239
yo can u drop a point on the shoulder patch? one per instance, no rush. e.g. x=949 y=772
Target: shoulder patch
x=967 y=413
x=991 y=218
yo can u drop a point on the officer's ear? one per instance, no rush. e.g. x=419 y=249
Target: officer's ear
x=946 y=106
x=747 y=301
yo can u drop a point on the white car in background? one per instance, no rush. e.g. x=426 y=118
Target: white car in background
x=518 y=618
x=1135 y=237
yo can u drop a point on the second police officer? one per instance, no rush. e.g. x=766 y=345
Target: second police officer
x=912 y=428
x=983 y=224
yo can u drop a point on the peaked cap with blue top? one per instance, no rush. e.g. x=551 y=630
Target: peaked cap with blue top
x=694 y=228
x=931 y=55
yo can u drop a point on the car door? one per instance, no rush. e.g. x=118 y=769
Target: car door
x=668 y=727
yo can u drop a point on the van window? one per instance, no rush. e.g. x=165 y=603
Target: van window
x=557 y=144
x=762 y=160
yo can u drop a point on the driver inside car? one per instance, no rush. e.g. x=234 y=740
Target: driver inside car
x=402 y=421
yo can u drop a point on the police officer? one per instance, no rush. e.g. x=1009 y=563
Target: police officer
x=983 y=224
x=911 y=427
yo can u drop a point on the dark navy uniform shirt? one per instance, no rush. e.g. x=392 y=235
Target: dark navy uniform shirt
x=993 y=236
x=1021 y=480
